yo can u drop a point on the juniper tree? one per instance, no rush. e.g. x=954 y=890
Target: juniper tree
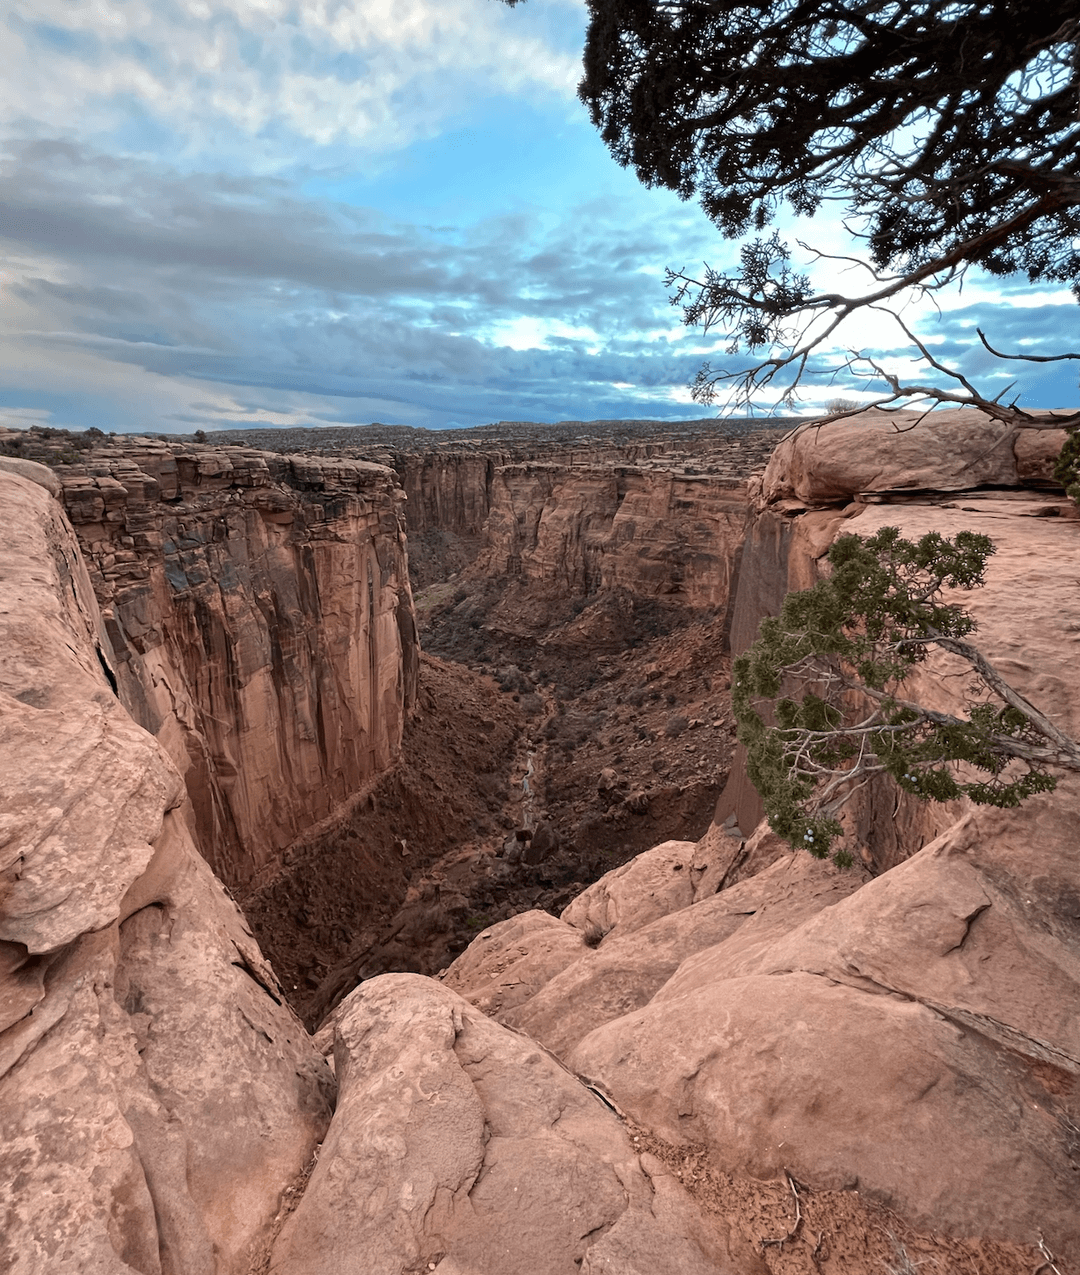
x=820 y=696
x=943 y=133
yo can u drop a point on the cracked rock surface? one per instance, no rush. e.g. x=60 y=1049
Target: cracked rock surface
x=463 y=1147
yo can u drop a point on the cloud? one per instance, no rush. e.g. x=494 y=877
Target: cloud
x=212 y=75
x=23 y=417
x=286 y=211
x=244 y=281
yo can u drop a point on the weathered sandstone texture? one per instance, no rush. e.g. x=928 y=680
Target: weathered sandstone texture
x=156 y=1095
x=260 y=619
x=876 y=451
x=580 y=529
x=911 y=1033
x=460 y=1146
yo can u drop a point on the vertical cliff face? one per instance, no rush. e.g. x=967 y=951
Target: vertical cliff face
x=657 y=532
x=450 y=490
x=260 y=621
x=657 y=513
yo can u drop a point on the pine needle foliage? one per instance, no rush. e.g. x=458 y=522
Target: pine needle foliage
x=1067 y=466
x=820 y=696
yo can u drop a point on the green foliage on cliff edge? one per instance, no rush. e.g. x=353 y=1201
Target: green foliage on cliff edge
x=820 y=704
x=1067 y=466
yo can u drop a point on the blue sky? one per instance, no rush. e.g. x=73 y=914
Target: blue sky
x=218 y=213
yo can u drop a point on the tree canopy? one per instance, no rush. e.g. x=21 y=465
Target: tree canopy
x=951 y=125
x=945 y=133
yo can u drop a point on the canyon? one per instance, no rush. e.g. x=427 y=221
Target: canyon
x=521 y=981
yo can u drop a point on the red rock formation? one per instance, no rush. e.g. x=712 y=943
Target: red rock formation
x=156 y=1094
x=580 y=529
x=876 y=451
x=260 y=622
x=915 y=1034
x=458 y=1145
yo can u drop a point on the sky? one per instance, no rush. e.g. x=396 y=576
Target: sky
x=227 y=213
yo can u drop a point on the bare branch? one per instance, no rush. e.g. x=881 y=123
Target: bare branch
x=1026 y=358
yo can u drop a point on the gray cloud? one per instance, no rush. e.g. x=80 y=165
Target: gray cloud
x=243 y=282
x=315 y=310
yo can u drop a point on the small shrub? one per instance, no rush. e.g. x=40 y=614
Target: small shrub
x=676 y=724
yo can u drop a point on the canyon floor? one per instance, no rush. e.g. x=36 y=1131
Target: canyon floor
x=603 y=755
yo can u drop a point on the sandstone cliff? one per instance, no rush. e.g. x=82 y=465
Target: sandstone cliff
x=659 y=514
x=156 y=1094
x=581 y=529
x=259 y=623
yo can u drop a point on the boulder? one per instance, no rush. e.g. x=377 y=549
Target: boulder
x=459 y=1146
x=608 y=780
x=510 y=962
x=543 y=843
x=888 y=451
x=660 y=880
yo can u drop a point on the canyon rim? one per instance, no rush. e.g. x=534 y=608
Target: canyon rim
x=382 y=891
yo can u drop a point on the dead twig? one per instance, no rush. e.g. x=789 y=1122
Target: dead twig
x=1049 y=1262
x=783 y=1239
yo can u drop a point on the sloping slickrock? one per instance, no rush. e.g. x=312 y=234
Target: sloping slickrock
x=82 y=788
x=919 y=1038
x=877 y=451
x=659 y=881
x=510 y=962
x=156 y=1097
x=628 y=970
x=846 y=1089
x=40 y=474
x=669 y=877
x=460 y=1147
x=545 y=977
x=952 y=929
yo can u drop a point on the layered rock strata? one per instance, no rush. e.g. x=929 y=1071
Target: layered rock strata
x=578 y=530
x=156 y=1094
x=260 y=621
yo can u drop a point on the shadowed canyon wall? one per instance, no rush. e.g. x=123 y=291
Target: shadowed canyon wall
x=260 y=621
